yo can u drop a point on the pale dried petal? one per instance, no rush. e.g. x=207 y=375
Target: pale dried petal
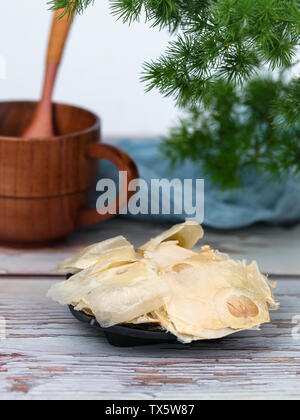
x=123 y=296
x=145 y=319
x=199 y=287
x=71 y=292
x=115 y=295
x=168 y=253
x=111 y=250
x=186 y=334
x=196 y=295
x=241 y=309
x=187 y=234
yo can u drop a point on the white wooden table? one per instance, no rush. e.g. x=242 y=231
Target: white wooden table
x=47 y=354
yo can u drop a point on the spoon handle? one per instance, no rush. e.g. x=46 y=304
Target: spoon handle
x=42 y=124
x=59 y=33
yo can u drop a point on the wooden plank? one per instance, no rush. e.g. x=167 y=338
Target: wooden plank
x=47 y=354
x=276 y=249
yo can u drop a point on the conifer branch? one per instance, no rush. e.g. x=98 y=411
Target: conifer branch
x=219 y=40
x=220 y=45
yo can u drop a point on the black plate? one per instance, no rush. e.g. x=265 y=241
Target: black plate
x=129 y=335
x=126 y=336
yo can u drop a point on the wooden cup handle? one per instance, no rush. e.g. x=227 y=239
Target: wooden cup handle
x=59 y=33
x=124 y=163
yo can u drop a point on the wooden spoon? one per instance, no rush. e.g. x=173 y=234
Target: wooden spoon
x=42 y=124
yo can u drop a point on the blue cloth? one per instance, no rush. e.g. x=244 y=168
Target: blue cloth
x=259 y=201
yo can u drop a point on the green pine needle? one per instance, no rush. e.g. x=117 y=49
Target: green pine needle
x=235 y=133
x=70 y=6
x=219 y=46
x=219 y=40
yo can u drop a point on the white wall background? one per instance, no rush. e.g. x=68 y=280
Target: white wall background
x=100 y=70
